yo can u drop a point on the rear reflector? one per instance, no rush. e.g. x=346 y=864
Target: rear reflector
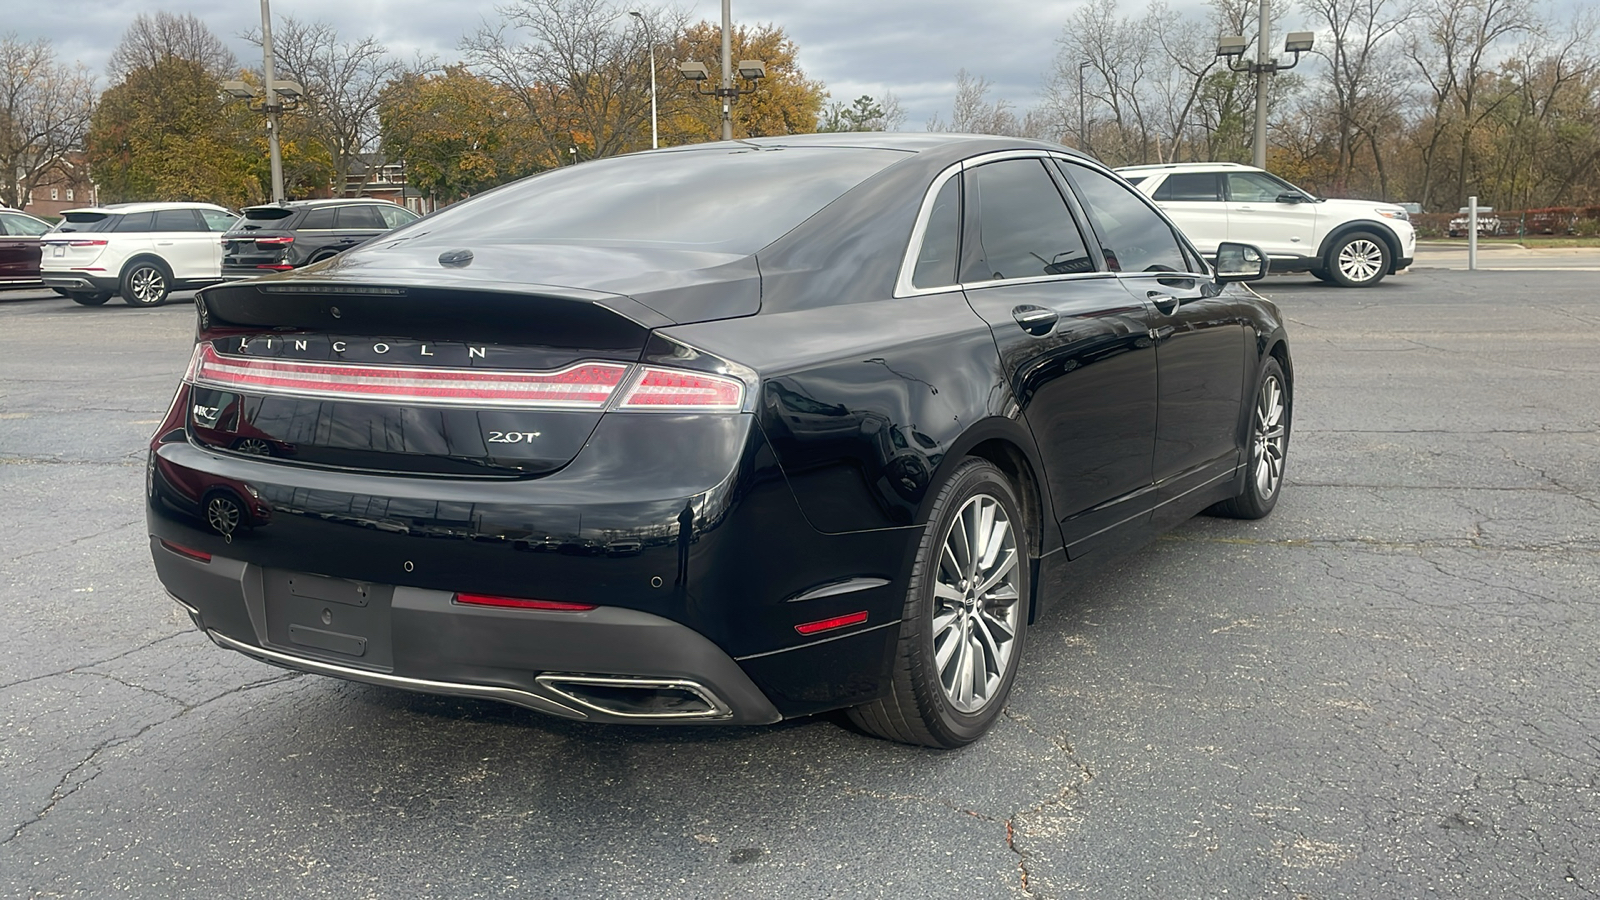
x=677 y=390
x=190 y=552
x=583 y=386
x=515 y=603
x=854 y=618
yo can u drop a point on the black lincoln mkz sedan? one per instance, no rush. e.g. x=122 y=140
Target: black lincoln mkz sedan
x=728 y=433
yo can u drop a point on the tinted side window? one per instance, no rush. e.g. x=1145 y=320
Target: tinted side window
x=135 y=222
x=1133 y=236
x=321 y=217
x=395 y=216
x=178 y=220
x=21 y=226
x=1023 y=226
x=363 y=217
x=217 y=220
x=1252 y=187
x=1190 y=187
x=941 y=244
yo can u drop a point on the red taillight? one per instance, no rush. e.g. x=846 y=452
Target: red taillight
x=516 y=603
x=285 y=239
x=275 y=268
x=582 y=386
x=86 y=243
x=190 y=552
x=854 y=618
x=675 y=389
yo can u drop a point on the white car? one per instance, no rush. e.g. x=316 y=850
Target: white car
x=1351 y=243
x=1488 y=222
x=142 y=251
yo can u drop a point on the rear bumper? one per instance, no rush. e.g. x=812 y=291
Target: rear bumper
x=424 y=641
x=77 y=281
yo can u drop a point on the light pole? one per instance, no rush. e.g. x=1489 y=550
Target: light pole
x=1083 y=121
x=753 y=70
x=1232 y=49
x=650 y=36
x=275 y=97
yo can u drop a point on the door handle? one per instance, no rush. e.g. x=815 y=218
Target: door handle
x=1035 y=320
x=1164 y=302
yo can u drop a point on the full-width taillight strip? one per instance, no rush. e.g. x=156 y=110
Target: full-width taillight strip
x=583 y=386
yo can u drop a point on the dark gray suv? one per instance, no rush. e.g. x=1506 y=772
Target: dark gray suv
x=277 y=238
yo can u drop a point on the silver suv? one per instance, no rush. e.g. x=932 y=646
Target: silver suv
x=1350 y=243
x=142 y=251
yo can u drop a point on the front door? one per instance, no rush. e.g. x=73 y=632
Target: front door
x=1256 y=216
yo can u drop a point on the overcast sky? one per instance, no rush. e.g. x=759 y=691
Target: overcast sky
x=912 y=47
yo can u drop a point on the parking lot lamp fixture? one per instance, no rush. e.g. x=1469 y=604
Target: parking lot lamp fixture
x=752 y=70
x=274 y=97
x=1232 y=48
x=655 y=140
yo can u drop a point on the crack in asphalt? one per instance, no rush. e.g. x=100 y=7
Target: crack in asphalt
x=73 y=670
x=77 y=540
x=1015 y=824
x=62 y=791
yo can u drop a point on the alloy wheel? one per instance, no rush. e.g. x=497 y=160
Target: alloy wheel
x=223 y=515
x=976 y=604
x=1270 y=439
x=1361 y=260
x=148 y=285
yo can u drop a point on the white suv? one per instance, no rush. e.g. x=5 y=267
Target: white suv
x=142 y=251
x=1351 y=243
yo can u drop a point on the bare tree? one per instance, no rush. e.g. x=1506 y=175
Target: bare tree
x=579 y=67
x=1362 y=76
x=343 y=81
x=154 y=37
x=45 y=109
x=974 y=113
x=1452 y=54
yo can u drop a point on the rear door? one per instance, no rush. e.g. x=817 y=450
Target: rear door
x=181 y=238
x=1073 y=342
x=358 y=224
x=1194 y=201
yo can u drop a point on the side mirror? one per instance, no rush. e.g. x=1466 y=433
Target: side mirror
x=1291 y=197
x=1240 y=262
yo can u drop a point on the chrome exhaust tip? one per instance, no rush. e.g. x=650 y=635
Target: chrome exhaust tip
x=632 y=697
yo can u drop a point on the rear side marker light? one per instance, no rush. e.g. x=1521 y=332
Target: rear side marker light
x=582 y=386
x=855 y=618
x=678 y=390
x=515 y=603
x=189 y=552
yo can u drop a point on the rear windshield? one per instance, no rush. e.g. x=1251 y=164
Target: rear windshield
x=83 y=221
x=267 y=213
x=730 y=200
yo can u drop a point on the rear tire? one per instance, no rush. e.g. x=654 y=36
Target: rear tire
x=87 y=299
x=145 y=283
x=965 y=618
x=1269 y=448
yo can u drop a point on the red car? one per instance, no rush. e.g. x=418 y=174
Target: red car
x=19 y=248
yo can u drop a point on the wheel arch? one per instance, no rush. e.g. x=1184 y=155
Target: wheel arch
x=1007 y=444
x=149 y=257
x=1380 y=230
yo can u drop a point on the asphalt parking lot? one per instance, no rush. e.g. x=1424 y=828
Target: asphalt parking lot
x=1389 y=688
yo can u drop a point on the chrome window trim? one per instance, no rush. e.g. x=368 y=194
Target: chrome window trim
x=904 y=287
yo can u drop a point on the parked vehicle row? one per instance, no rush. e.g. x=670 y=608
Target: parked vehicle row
x=144 y=251
x=1350 y=243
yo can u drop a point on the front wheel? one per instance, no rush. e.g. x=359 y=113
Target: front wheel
x=966 y=614
x=1269 y=448
x=1360 y=259
x=144 y=284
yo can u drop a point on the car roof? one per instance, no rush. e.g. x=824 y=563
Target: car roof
x=325 y=201
x=913 y=141
x=148 y=206
x=1189 y=167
